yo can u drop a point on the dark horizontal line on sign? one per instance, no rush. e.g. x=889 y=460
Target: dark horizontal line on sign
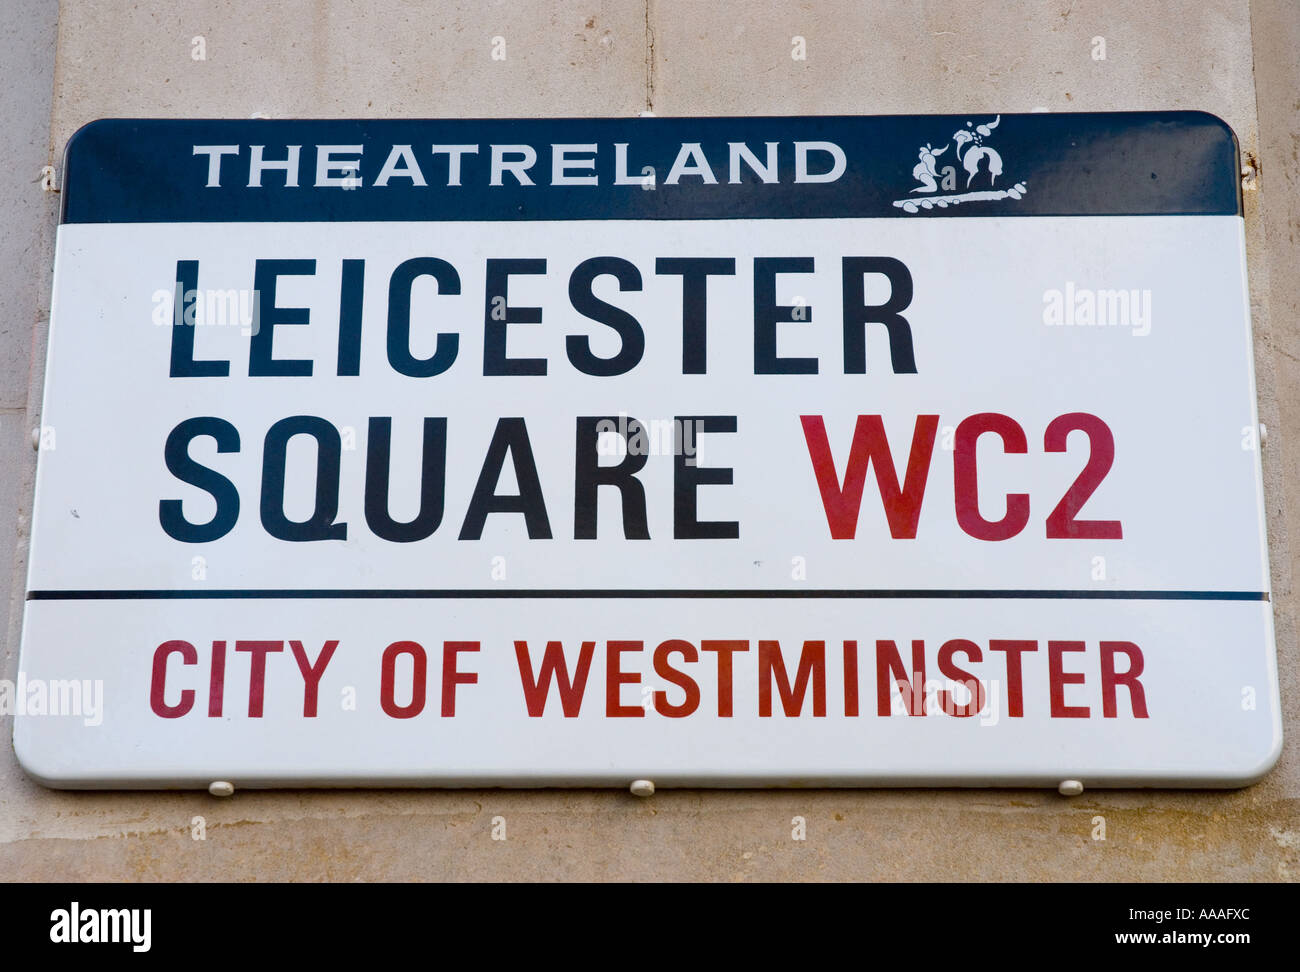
x=665 y=593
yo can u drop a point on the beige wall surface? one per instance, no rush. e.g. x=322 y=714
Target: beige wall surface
x=406 y=58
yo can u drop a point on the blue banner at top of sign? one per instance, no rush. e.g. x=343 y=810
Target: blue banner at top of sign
x=904 y=166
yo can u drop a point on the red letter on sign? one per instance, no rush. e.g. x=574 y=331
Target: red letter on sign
x=961 y=677
x=257 y=671
x=850 y=678
x=311 y=674
x=217 y=680
x=157 y=689
x=450 y=677
x=678 y=678
x=889 y=664
x=1110 y=678
x=537 y=689
x=419 y=665
x=966 y=477
x=1015 y=679
x=771 y=668
x=871 y=448
x=616 y=678
x=725 y=649
x=1059 y=678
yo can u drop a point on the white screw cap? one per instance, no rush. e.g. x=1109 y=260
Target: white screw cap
x=1070 y=788
x=220 y=788
x=642 y=788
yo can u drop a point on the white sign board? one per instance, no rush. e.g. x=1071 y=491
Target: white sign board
x=785 y=451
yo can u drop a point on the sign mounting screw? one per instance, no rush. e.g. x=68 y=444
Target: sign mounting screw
x=642 y=788
x=1070 y=788
x=220 y=788
x=1249 y=173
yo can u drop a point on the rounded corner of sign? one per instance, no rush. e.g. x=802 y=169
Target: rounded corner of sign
x=34 y=760
x=1219 y=122
x=1256 y=772
x=84 y=131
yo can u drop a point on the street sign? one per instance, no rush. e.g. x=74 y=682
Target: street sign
x=729 y=451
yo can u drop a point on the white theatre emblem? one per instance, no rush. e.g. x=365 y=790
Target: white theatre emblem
x=978 y=159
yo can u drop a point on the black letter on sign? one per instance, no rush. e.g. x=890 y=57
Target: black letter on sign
x=589 y=474
x=351 y=295
x=320 y=525
x=768 y=314
x=858 y=314
x=433 y=475
x=497 y=314
x=184 y=310
x=511 y=435
x=586 y=303
x=695 y=273
x=266 y=317
x=399 y=318
x=687 y=476
x=179 y=464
